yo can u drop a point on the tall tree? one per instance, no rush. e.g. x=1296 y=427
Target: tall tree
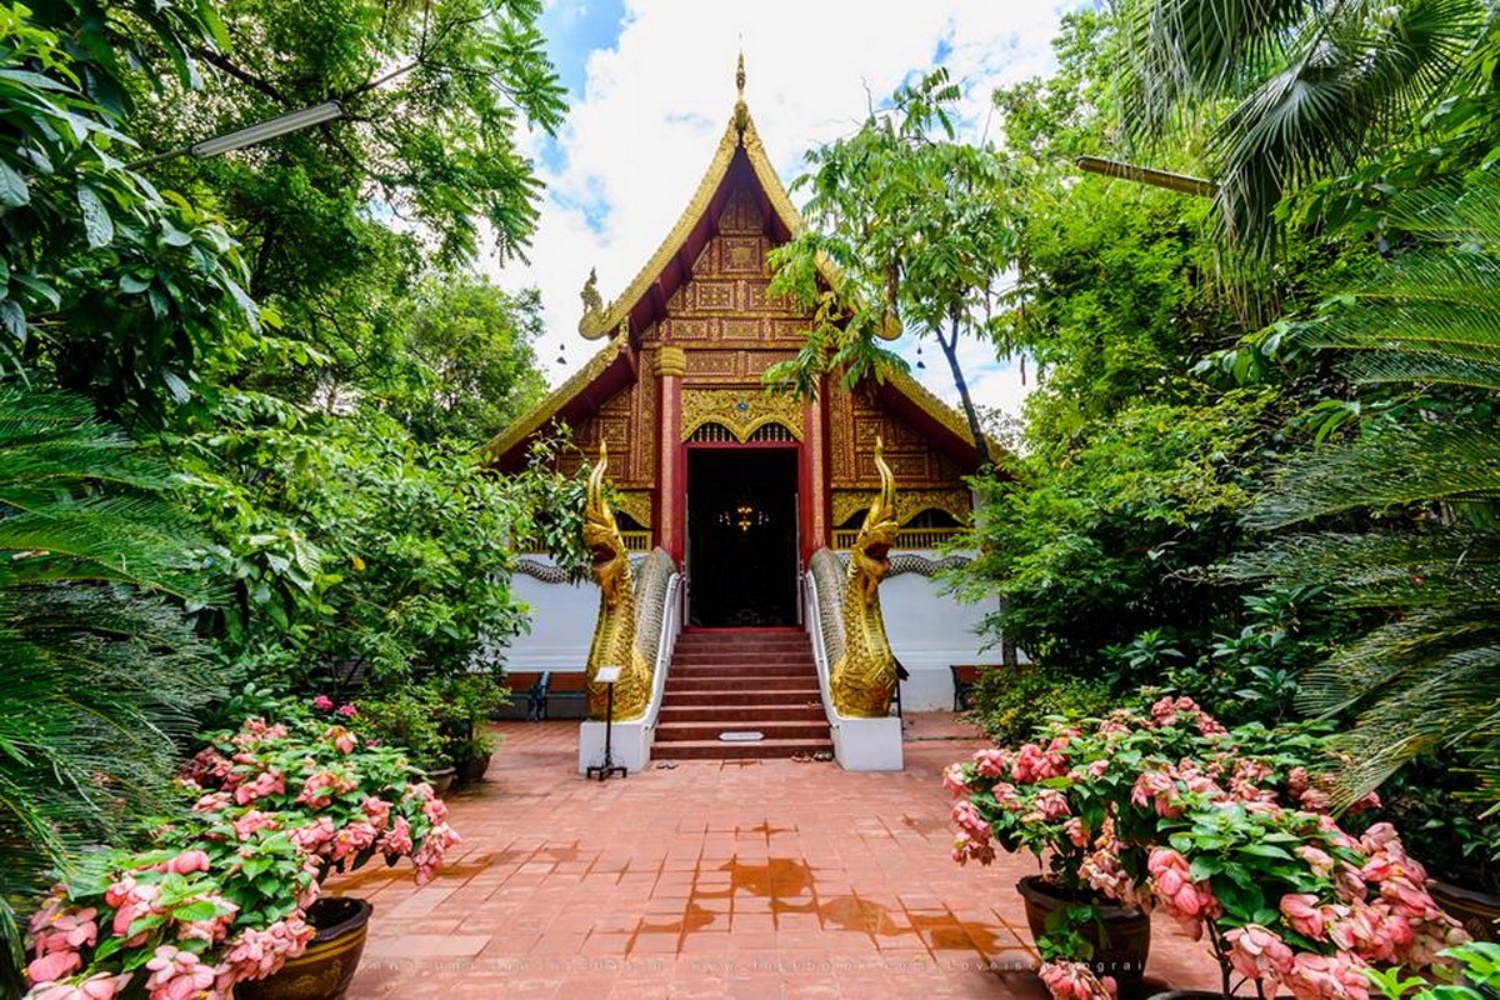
x=340 y=223
x=921 y=228
x=473 y=369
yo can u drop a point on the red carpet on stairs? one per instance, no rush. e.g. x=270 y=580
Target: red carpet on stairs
x=741 y=681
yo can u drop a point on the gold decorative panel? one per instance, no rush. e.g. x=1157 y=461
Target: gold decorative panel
x=957 y=503
x=744 y=255
x=741 y=214
x=855 y=422
x=617 y=424
x=636 y=503
x=742 y=411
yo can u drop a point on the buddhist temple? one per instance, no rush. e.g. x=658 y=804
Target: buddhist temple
x=738 y=486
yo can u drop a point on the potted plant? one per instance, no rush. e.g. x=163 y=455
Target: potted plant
x=1226 y=832
x=468 y=701
x=410 y=718
x=1445 y=820
x=230 y=891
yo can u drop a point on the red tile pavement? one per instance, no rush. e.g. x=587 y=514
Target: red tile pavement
x=712 y=879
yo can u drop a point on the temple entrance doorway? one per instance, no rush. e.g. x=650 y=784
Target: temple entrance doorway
x=742 y=537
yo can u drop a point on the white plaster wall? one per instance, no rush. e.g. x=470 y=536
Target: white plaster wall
x=562 y=624
x=928 y=632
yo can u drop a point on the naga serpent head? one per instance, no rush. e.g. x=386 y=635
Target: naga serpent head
x=871 y=554
x=602 y=536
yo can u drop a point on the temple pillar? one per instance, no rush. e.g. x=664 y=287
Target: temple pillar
x=813 y=486
x=669 y=364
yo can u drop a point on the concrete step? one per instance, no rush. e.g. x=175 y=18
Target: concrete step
x=667 y=732
x=809 y=711
x=803 y=659
x=738 y=682
x=720 y=750
x=742 y=670
x=783 y=697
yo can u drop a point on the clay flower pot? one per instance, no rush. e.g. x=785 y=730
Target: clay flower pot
x=1477 y=911
x=1121 y=937
x=471 y=769
x=324 y=970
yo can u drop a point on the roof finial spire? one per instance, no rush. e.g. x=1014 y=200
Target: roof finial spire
x=741 y=112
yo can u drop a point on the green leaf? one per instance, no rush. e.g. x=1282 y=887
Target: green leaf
x=97 y=224
x=13 y=190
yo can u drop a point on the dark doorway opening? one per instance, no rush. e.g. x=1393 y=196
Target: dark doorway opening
x=742 y=537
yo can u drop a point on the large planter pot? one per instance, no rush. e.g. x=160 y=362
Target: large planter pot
x=323 y=971
x=1121 y=937
x=471 y=769
x=441 y=779
x=1477 y=911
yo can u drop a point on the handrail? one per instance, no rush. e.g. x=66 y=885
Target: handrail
x=666 y=643
x=813 y=601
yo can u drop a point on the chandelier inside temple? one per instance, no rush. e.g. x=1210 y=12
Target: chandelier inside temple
x=744 y=517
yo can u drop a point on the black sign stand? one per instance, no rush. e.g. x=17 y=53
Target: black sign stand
x=607 y=676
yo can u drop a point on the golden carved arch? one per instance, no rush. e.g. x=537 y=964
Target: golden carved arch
x=741 y=411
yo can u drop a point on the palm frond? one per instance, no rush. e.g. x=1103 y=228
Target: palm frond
x=1447 y=462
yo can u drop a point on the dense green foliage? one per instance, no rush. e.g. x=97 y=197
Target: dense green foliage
x=92 y=560
x=291 y=334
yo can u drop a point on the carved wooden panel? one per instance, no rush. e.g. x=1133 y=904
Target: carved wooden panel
x=854 y=422
x=632 y=454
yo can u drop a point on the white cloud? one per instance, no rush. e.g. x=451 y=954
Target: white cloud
x=654 y=106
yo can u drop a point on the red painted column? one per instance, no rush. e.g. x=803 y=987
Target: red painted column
x=812 y=486
x=669 y=365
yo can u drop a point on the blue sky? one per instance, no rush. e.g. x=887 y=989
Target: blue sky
x=651 y=87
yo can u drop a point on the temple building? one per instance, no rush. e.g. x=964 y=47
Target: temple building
x=739 y=486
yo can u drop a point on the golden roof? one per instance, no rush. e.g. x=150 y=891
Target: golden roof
x=543 y=411
x=598 y=322
x=739 y=134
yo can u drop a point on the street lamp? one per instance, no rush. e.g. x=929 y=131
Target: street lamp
x=293 y=121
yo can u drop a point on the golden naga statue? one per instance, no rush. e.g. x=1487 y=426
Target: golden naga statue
x=614 y=634
x=864 y=678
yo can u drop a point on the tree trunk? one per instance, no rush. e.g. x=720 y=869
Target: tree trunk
x=950 y=351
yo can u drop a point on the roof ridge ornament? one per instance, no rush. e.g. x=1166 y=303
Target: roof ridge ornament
x=593 y=304
x=741 y=111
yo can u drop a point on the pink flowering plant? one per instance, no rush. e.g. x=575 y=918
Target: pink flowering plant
x=228 y=894
x=1229 y=833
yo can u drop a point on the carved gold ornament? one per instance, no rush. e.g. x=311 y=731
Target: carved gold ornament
x=742 y=411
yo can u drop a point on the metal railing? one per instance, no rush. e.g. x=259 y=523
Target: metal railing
x=906 y=538
x=636 y=541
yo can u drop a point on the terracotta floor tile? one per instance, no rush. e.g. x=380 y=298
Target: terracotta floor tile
x=758 y=879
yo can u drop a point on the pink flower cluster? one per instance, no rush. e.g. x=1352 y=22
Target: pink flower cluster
x=1167 y=712
x=172 y=917
x=1135 y=806
x=1185 y=901
x=1076 y=981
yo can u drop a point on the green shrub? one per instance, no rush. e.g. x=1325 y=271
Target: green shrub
x=1009 y=704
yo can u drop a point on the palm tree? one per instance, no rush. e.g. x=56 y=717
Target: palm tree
x=1293 y=91
x=1428 y=489
x=100 y=671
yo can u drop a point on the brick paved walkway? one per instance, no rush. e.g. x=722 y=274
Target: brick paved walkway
x=755 y=879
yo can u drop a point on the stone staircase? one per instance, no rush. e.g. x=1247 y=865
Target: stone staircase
x=741 y=680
